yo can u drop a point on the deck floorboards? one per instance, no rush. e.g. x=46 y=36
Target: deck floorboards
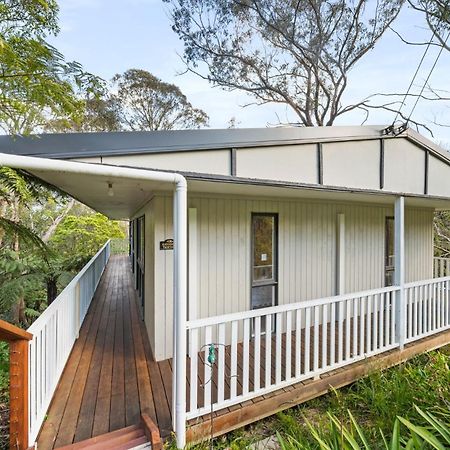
x=111 y=378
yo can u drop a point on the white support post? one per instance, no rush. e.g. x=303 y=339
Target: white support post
x=180 y=309
x=399 y=223
x=174 y=314
x=340 y=255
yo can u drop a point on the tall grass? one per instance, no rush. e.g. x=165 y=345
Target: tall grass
x=434 y=434
x=375 y=402
x=368 y=410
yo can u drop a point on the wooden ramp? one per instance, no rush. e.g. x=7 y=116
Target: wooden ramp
x=110 y=378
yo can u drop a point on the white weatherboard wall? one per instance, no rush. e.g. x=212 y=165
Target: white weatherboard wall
x=307 y=254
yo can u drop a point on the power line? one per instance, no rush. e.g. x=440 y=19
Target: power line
x=414 y=77
x=428 y=77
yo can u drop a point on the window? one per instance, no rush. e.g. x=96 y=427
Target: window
x=389 y=252
x=264 y=260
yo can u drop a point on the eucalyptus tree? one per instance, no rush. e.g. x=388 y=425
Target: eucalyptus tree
x=297 y=52
x=437 y=15
x=146 y=102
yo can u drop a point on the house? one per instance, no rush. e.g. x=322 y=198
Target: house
x=263 y=258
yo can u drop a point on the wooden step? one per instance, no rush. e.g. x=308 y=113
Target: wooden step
x=134 y=443
x=119 y=439
x=134 y=436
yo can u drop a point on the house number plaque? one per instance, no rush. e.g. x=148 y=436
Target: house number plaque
x=166 y=245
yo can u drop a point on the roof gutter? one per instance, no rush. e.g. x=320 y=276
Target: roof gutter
x=180 y=256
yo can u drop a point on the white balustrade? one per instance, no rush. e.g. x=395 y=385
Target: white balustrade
x=427 y=308
x=54 y=334
x=260 y=351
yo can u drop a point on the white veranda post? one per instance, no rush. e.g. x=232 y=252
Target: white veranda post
x=399 y=223
x=180 y=311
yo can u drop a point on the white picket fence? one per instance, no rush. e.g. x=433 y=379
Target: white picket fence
x=54 y=334
x=304 y=340
x=300 y=344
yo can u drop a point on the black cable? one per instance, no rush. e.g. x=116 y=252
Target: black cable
x=428 y=77
x=414 y=77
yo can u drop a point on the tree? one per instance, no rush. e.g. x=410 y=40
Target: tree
x=36 y=83
x=19 y=189
x=78 y=238
x=148 y=103
x=437 y=14
x=297 y=53
x=100 y=113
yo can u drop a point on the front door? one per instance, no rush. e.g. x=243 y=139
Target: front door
x=264 y=260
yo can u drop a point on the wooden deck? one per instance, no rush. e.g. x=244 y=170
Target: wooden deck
x=110 y=378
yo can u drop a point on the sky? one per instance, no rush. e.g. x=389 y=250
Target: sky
x=111 y=36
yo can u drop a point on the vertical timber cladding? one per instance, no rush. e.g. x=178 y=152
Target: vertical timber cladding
x=307 y=252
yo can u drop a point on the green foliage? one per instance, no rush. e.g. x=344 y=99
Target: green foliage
x=437 y=14
x=36 y=83
x=375 y=403
x=119 y=246
x=147 y=103
x=435 y=433
x=19 y=277
x=4 y=370
x=78 y=238
x=441 y=226
x=100 y=113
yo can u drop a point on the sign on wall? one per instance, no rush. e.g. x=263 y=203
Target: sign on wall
x=166 y=245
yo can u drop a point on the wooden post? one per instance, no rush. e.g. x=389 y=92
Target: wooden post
x=151 y=432
x=399 y=223
x=18 y=394
x=18 y=383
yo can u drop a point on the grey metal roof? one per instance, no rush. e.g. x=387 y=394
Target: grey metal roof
x=72 y=145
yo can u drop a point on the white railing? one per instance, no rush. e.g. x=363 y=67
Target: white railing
x=427 y=308
x=441 y=267
x=54 y=334
x=303 y=341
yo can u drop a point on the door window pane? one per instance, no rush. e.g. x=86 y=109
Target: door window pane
x=262 y=296
x=263 y=247
x=389 y=263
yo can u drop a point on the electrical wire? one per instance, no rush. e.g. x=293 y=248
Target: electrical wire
x=428 y=78
x=414 y=77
